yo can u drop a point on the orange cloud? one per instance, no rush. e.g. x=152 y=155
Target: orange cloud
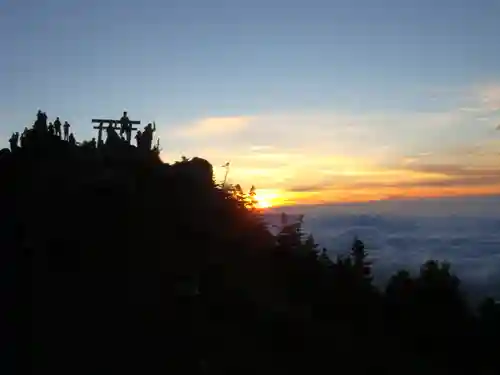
x=336 y=156
x=418 y=180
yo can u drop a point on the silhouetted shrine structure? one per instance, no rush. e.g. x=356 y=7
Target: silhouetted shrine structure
x=124 y=125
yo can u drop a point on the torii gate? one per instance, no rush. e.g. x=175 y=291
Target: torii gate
x=115 y=124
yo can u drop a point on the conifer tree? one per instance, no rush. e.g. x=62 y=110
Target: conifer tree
x=362 y=267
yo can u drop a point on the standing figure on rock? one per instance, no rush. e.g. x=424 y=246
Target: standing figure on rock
x=23 y=137
x=51 y=128
x=112 y=136
x=13 y=141
x=57 y=127
x=129 y=133
x=41 y=122
x=147 y=136
x=138 y=137
x=72 y=140
x=124 y=122
x=66 y=127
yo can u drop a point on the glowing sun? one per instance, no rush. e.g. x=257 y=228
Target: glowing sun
x=266 y=198
x=262 y=203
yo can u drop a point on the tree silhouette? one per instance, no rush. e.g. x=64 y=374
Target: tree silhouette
x=361 y=266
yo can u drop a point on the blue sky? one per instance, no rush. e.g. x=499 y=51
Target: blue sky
x=352 y=85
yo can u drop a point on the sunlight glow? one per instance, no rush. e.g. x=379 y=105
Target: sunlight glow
x=267 y=198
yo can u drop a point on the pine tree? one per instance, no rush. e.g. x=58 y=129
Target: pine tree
x=361 y=266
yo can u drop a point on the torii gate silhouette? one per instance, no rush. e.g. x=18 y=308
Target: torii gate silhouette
x=113 y=123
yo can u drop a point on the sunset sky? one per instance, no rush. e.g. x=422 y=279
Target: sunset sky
x=312 y=101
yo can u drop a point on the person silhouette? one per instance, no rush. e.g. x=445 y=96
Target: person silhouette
x=13 y=141
x=23 y=137
x=51 y=128
x=147 y=136
x=41 y=122
x=93 y=143
x=112 y=136
x=57 y=127
x=66 y=127
x=128 y=133
x=124 y=122
x=138 y=137
x=71 y=139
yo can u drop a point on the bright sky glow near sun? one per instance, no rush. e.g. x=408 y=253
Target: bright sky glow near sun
x=312 y=101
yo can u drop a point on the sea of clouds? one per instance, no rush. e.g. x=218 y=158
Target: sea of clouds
x=404 y=234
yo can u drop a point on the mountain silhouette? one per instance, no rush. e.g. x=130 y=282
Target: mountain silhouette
x=116 y=262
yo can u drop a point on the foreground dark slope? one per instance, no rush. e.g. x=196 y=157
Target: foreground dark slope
x=115 y=262
x=102 y=245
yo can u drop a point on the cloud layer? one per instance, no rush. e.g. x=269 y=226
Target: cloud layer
x=404 y=234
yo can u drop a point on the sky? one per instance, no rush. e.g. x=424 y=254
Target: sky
x=311 y=101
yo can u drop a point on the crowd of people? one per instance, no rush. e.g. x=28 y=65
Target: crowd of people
x=42 y=127
x=144 y=138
